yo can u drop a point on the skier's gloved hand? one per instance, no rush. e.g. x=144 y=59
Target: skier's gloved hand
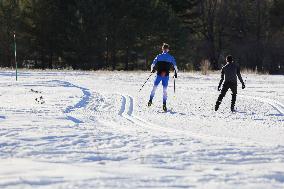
x=153 y=71
x=176 y=75
x=243 y=86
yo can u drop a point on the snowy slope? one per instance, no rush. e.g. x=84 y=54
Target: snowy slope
x=94 y=130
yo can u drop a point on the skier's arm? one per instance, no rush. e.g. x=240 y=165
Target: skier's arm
x=222 y=79
x=153 y=64
x=240 y=77
x=152 y=68
x=175 y=66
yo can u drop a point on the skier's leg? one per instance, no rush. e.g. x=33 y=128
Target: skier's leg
x=165 y=95
x=156 y=83
x=165 y=83
x=223 y=92
x=222 y=95
x=153 y=92
x=234 y=88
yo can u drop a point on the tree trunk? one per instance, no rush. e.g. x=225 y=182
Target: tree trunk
x=113 y=58
x=50 y=66
x=127 y=59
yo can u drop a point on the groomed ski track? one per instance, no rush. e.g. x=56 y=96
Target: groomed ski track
x=127 y=111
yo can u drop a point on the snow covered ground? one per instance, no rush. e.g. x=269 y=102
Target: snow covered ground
x=94 y=130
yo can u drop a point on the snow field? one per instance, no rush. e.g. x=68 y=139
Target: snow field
x=94 y=130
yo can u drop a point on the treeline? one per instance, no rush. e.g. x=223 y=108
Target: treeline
x=127 y=34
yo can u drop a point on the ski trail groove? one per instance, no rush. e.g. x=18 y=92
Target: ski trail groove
x=83 y=102
x=127 y=110
x=123 y=104
x=127 y=113
x=275 y=104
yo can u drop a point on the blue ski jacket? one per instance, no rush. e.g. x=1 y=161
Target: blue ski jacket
x=162 y=63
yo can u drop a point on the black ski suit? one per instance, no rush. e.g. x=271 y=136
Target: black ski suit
x=230 y=71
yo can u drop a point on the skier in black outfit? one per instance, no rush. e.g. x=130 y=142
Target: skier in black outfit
x=230 y=71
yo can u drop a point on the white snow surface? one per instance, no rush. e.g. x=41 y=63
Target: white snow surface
x=94 y=130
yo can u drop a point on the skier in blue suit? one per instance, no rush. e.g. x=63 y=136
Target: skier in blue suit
x=162 y=64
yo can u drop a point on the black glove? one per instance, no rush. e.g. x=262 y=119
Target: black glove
x=219 y=88
x=153 y=71
x=243 y=86
x=176 y=75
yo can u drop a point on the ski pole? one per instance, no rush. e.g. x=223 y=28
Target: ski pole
x=146 y=81
x=175 y=85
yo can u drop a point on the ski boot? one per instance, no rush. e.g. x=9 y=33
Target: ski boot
x=165 y=108
x=150 y=103
x=217 y=105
